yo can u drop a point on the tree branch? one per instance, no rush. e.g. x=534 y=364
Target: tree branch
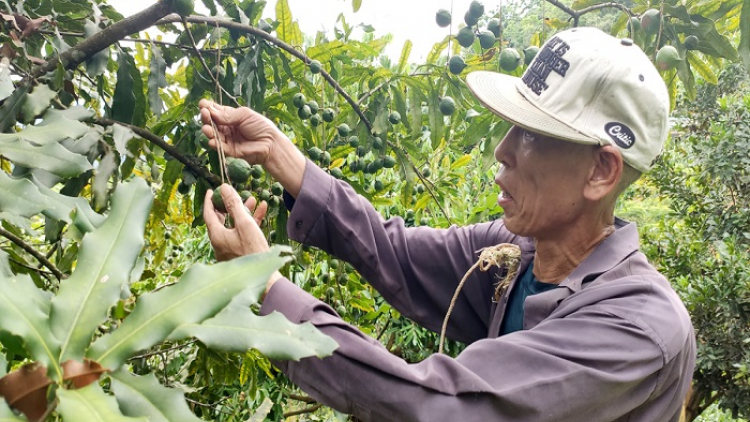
x=196 y=168
x=33 y=252
x=277 y=42
x=302 y=411
x=108 y=36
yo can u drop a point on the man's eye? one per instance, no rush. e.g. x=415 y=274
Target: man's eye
x=529 y=136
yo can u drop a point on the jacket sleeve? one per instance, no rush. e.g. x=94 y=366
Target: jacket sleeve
x=589 y=363
x=415 y=269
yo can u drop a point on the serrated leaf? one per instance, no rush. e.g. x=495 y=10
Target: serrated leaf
x=35 y=147
x=90 y=404
x=744 y=48
x=52 y=132
x=201 y=293
x=22 y=313
x=156 y=79
x=37 y=101
x=702 y=68
x=23 y=198
x=6 y=84
x=123 y=100
x=437 y=50
x=80 y=206
x=238 y=329
x=104 y=263
x=144 y=396
x=404 y=59
x=286 y=31
x=100 y=184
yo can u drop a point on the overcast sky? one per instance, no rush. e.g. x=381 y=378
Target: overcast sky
x=405 y=19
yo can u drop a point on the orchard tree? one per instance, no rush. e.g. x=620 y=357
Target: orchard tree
x=105 y=171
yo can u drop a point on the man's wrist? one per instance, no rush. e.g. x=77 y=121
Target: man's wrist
x=287 y=164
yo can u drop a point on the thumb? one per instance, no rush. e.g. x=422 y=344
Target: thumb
x=233 y=204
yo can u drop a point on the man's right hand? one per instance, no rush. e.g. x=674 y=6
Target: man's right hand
x=250 y=136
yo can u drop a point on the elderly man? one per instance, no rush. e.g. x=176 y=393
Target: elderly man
x=587 y=331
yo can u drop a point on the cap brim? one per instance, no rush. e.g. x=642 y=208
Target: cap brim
x=499 y=93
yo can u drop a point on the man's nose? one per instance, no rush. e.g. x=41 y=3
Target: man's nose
x=504 y=150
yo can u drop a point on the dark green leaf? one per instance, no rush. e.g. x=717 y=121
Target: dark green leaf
x=123 y=100
x=156 y=79
x=144 y=396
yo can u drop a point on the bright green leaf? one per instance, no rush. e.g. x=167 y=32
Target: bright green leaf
x=90 y=404
x=744 y=49
x=461 y=162
x=286 y=31
x=201 y=293
x=702 y=68
x=22 y=313
x=237 y=329
x=404 y=59
x=104 y=263
x=144 y=396
x=356 y=4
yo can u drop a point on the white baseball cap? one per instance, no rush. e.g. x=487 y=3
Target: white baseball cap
x=588 y=87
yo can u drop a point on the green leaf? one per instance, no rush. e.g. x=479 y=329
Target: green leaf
x=96 y=64
x=437 y=50
x=435 y=118
x=23 y=198
x=144 y=396
x=90 y=404
x=156 y=80
x=37 y=147
x=80 y=206
x=356 y=4
x=238 y=329
x=461 y=162
x=687 y=78
x=37 y=101
x=201 y=293
x=287 y=31
x=744 y=49
x=11 y=107
x=582 y=4
x=702 y=68
x=477 y=129
x=123 y=100
x=104 y=263
x=23 y=313
x=404 y=59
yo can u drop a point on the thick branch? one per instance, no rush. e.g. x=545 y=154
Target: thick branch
x=110 y=35
x=33 y=252
x=196 y=168
x=277 y=42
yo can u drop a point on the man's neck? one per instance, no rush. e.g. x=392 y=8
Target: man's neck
x=555 y=259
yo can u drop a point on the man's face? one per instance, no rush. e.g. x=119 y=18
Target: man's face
x=541 y=181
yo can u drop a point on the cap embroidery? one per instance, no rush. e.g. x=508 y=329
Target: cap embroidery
x=548 y=60
x=621 y=134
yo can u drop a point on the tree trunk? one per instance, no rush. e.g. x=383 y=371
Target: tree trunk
x=697 y=400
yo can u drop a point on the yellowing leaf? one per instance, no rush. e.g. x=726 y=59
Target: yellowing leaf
x=461 y=162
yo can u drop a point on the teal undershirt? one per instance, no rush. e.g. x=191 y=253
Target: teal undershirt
x=526 y=286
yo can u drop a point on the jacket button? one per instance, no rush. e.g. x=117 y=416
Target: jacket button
x=298 y=223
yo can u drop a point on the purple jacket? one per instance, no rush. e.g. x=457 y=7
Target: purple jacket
x=613 y=343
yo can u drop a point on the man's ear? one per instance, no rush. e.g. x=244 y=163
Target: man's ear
x=605 y=174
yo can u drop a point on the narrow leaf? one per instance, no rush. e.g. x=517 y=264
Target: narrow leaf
x=435 y=117
x=356 y=4
x=404 y=59
x=22 y=315
x=461 y=162
x=744 y=48
x=104 y=263
x=286 y=30
x=91 y=404
x=123 y=100
x=201 y=293
x=702 y=68
x=156 y=79
x=144 y=396
x=238 y=329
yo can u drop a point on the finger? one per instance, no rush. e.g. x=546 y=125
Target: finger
x=251 y=203
x=205 y=103
x=210 y=215
x=224 y=115
x=260 y=212
x=233 y=204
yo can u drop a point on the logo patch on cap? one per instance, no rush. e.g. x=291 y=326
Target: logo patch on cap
x=621 y=134
x=549 y=59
